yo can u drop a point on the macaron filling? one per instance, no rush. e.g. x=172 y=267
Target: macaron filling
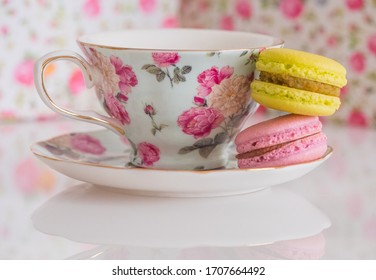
x=299 y=83
x=304 y=149
x=277 y=137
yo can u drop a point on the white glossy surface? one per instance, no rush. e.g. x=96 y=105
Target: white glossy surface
x=85 y=213
x=112 y=169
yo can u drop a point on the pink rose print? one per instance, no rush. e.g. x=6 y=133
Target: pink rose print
x=357 y=62
x=372 y=43
x=76 y=82
x=243 y=9
x=92 y=8
x=126 y=75
x=148 y=153
x=116 y=109
x=147 y=6
x=200 y=121
x=208 y=78
x=291 y=8
x=106 y=80
x=122 y=97
x=354 y=4
x=151 y=112
x=198 y=100
x=165 y=59
x=226 y=23
x=231 y=97
x=87 y=144
x=23 y=73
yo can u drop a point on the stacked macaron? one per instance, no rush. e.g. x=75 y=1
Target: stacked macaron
x=302 y=84
x=298 y=82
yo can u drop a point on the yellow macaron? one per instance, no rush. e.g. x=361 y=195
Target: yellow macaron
x=298 y=82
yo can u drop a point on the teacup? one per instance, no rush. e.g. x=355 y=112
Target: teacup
x=178 y=95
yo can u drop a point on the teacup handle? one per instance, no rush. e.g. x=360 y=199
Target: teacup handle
x=87 y=116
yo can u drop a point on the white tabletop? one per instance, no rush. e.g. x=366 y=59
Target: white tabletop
x=335 y=206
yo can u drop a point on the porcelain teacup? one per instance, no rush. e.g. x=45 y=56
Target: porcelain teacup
x=178 y=95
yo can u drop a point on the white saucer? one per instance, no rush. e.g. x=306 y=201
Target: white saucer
x=88 y=214
x=107 y=164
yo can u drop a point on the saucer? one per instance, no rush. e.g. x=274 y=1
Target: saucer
x=102 y=158
x=89 y=214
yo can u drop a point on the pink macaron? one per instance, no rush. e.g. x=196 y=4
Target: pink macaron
x=285 y=140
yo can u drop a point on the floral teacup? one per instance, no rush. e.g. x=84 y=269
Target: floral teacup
x=178 y=95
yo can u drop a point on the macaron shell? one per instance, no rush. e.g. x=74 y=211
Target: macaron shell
x=276 y=131
x=299 y=151
x=294 y=100
x=303 y=65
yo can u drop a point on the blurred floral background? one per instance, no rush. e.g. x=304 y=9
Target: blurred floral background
x=342 y=30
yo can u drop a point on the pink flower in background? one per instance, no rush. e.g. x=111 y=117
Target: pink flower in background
x=116 y=109
x=332 y=41
x=23 y=73
x=4 y=30
x=170 y=22
x=147 y=6
x=148 y=153
x=76 y=82
x=126 y=75
x=226 y=23
x=92 y=8
x=371 y=43
x=354 y=4
x=357 y=118
x=243 y=9
x=87 y=144
x=199 y=121
x=291 y=8
x=210 y=77
x=26 y=175
x=8 y=115
x=344 y=90
x=357 y=62
x=165 y=59
x=203 y=5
